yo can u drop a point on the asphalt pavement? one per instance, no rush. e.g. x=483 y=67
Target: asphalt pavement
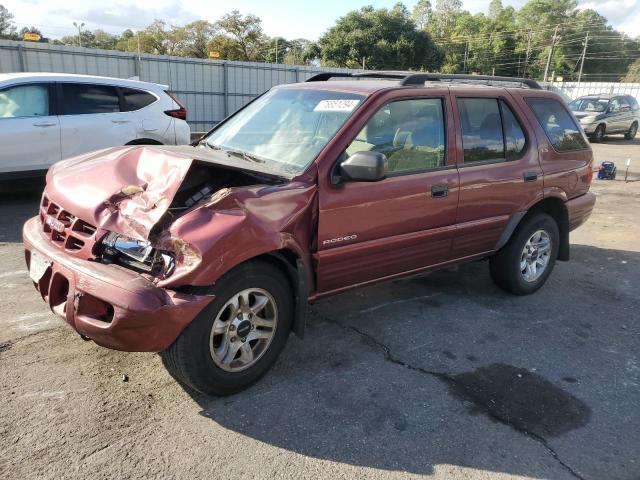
x=440 y=375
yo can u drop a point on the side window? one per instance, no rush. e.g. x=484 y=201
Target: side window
x=615 y=105
x=560 y=128
x=513 y=133
x=624 y=104
x=409 y=132
x=24 y=101
x=634 y=103
x=83 y=98
x=134 y=99
x=482 y=137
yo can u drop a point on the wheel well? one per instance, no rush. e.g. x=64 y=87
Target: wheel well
x=293 y=267
x=144 y=141
x=557 y=209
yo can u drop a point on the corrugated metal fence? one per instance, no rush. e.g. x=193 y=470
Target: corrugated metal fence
x=574 y=89
x=210 y=89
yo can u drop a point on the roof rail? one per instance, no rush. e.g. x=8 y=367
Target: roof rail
x=413 y=78
x=324 y=76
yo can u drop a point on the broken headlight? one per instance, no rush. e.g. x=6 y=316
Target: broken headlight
x=137 y=254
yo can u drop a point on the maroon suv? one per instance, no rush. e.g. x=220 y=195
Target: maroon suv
x=209 y=253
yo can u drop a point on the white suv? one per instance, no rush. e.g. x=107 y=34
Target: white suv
x=46 y=117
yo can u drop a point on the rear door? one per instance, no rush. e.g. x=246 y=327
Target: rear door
x=500 y=175
x=370 y=231
x=617 y=118
x=29 y=128
x=142 y=108
x=627 y=115
x=91 y=119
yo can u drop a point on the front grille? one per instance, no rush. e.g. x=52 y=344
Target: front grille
x=66 y=230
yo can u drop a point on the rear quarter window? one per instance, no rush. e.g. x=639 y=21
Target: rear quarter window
x=561 y=130
x=134 y=99
x=84 y=98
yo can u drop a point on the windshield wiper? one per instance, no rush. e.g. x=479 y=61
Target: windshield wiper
x=243 y=155
x=235 y=153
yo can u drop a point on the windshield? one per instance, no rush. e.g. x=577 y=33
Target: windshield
x=285 y=128
x=595 y=105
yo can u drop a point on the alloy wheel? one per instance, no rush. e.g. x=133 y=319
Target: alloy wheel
x=243 y=329
x=535 y=256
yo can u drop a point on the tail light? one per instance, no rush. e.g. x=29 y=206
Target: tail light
x=180 y=113
x=589 y=176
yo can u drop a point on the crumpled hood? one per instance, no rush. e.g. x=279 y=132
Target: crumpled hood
x=122 y=189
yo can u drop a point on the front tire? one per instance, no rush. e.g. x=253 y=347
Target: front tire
x=631 y=134
x=526 y=261
x=238 y=336
x=598 y=135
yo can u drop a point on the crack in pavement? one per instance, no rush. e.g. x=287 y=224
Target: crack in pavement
x=451 y=380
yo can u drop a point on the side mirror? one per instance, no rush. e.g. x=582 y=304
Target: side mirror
x=364 y=167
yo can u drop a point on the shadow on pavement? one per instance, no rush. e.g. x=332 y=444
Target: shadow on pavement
x=445 y=369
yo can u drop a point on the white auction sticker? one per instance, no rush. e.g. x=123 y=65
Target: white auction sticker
x=337 y=105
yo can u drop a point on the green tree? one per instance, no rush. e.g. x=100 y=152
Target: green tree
x=279 y=44
x=421 y=13
x=633 y=72
x=197 y=36
x=7 y=28
x=240 y=37
x=385 y=39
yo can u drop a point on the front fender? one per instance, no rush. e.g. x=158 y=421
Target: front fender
x=238 y=225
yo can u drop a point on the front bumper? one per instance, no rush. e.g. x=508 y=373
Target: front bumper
x=589 y=128
x=579 y=209
x=115 y=307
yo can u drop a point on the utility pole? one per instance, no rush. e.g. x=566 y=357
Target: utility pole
x=526 y=59
x=466 y=57
x=553 y=44
x=584 y=54
x=276 y=49
x=363 y=64
x=79 y=27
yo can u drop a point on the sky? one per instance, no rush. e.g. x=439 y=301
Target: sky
x=286 y=18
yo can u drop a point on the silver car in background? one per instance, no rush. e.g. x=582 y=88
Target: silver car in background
x=602 y=114
x=46 y=117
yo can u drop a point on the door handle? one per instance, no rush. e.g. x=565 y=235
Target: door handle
x=119 y=121
x=439 y=191
x=530 y=176
x=44 y=124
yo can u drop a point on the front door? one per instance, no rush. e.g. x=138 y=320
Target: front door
x=375 y=230
x=29 y=128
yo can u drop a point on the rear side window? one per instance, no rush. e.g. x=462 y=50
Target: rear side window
x=83 y=98
x=490 y=130
x=560 y=128
x=24 y=101
x=133 y=99
x=513 y=134
x=482 y=137
x=634 y=103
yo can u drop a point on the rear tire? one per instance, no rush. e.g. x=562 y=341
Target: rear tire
x=598 y=134
x=631 y=134
x=202 y=357
x=523 y=265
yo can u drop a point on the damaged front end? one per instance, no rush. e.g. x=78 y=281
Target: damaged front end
x=126 y=232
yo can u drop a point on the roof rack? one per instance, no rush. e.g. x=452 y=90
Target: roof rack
x=413 y=78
